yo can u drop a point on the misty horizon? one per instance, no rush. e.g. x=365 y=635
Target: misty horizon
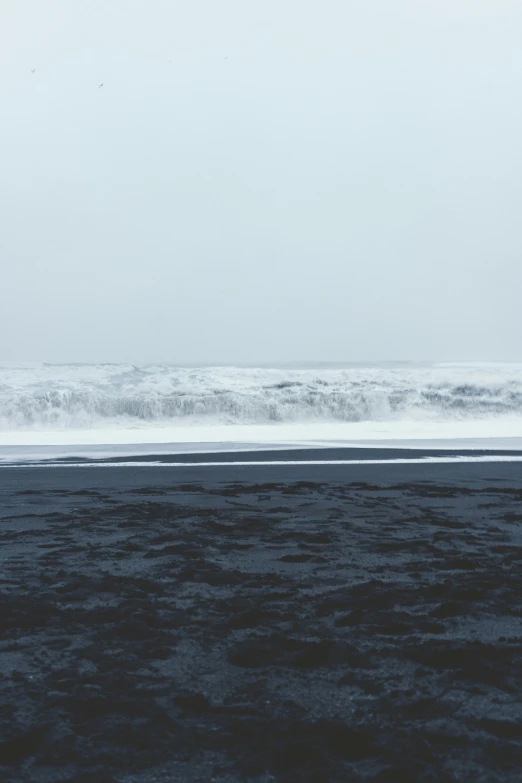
x=261 y=184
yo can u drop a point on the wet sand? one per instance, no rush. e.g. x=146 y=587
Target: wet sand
x=268 y=623
x=301 y=454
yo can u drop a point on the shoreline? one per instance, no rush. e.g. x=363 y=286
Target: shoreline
x=324 y=455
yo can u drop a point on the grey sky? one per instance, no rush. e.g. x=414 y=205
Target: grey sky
x=345 y=185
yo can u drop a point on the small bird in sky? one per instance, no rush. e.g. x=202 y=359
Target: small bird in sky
x=101 y=85
x=33 y=70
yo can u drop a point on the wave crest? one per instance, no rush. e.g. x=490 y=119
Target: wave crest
x=50 y=396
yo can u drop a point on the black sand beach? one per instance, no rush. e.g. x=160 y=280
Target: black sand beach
x=270 y=623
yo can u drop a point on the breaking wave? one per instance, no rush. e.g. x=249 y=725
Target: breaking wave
x=71 y=396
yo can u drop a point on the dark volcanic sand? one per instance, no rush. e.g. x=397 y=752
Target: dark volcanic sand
x=298 y=624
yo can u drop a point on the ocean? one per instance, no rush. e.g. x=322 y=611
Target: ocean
x=64 y=409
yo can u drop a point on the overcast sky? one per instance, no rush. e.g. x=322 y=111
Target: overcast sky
x=256 y=181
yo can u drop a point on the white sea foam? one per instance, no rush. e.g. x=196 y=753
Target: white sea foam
x=87 y=396
x=460 y=459
x=215 y=407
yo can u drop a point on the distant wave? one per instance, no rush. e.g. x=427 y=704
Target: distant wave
x=57 y=396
